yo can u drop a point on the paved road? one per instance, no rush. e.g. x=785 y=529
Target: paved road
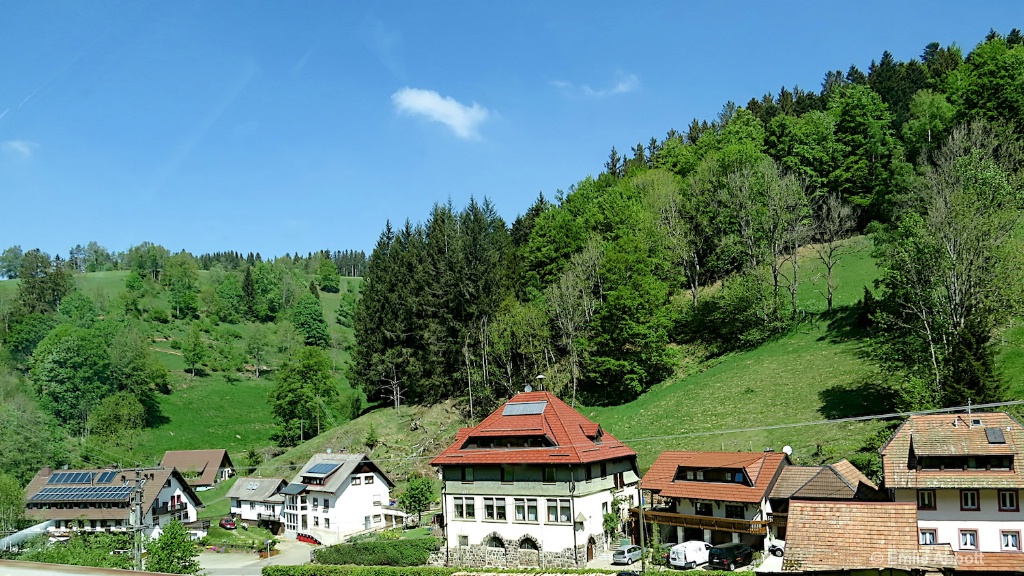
x=249 y=564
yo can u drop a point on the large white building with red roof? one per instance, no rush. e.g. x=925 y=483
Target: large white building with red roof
x=530 y=485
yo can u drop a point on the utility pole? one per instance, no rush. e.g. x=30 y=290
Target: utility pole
x=643 y=528
x=136 y=521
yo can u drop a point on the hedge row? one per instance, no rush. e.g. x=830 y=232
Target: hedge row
x=327 y=570
x=375 y=553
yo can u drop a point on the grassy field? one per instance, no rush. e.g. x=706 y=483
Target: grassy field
x=816 y=372
x=211 y=412
x=406 y=441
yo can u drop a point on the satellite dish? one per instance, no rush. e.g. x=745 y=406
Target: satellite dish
x=788 y=450
x=528 y=388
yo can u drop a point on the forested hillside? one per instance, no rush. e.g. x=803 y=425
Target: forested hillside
x=116 y=357
x=809 y=255
x=687 y=247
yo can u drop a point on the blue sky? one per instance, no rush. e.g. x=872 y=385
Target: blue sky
x=295 y=126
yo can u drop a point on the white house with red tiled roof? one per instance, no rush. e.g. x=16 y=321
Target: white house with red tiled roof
x=965 y=473
x=529 y=486
x=716 y=497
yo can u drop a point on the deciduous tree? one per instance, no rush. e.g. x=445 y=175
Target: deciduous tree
x=173 y=552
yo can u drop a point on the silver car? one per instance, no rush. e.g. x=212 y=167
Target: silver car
x=626 y=555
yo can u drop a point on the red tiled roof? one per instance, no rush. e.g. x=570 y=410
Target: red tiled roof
x=761 y=467
x=569 y=430
x=936 y=435
x=990 y=562
x=839 y=536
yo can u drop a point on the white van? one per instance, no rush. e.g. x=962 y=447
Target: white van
x=689 y=554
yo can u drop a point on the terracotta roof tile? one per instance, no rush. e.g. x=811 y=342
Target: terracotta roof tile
x=827 y=536
x=791 y=479
x=569 y=430
x=763 y=468
x=990 y=562
x=935 y=435
x=847 y=471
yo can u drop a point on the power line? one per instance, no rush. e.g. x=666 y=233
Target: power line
x=885 y=416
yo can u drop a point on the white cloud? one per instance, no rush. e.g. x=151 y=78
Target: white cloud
x=628 y=83
x=23 y=148
x=463 y=120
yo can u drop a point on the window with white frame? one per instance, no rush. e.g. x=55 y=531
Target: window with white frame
x=926 y=499
x=327 y=522
x=928 y=536
x=969 y=500
x=327 y=504
x=1008 y=501
x=465 y=507
x=559 y=511
x=526 y=509
x=1010 y=540
x=494 y=509
x=968 y=539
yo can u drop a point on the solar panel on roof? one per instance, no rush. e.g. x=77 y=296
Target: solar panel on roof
x=524 y=408
x=322 y=468
x=106 y=477
x=995 y=436
x=82 y=493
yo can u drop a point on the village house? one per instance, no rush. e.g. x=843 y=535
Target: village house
x=963 y=473
x=101 y=500
x=838 y=481
x=530 y=486
x=337 y=495
x=716 y=497
x=258 y=500
x=202 y=469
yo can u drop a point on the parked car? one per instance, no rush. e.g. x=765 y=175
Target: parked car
x=689 y=554
x=729 y=556
x=628 y=574
x=777 y=548
x=227 y=523
x=626 y=555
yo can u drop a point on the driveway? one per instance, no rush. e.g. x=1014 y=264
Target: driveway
x=249 y=564
x=770 y=563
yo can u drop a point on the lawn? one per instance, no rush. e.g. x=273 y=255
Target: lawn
x=211 y=412
x=216 y=504
x=818 y=371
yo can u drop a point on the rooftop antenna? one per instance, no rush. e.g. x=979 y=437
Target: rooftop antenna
x=540 y=381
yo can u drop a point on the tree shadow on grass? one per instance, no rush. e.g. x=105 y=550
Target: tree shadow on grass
x=855 y=399
x=845 y=324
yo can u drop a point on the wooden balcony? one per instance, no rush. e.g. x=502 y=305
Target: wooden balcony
x=757 y=527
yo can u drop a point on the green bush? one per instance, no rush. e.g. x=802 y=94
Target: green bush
x=321 y=570
x=158 y=315
x=387 y=553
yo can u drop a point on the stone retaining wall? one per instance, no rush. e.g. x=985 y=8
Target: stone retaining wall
x=513 y=555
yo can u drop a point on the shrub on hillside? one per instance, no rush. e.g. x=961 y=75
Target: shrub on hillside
x=742 y=314
x=160 y=315
x=387 y=553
